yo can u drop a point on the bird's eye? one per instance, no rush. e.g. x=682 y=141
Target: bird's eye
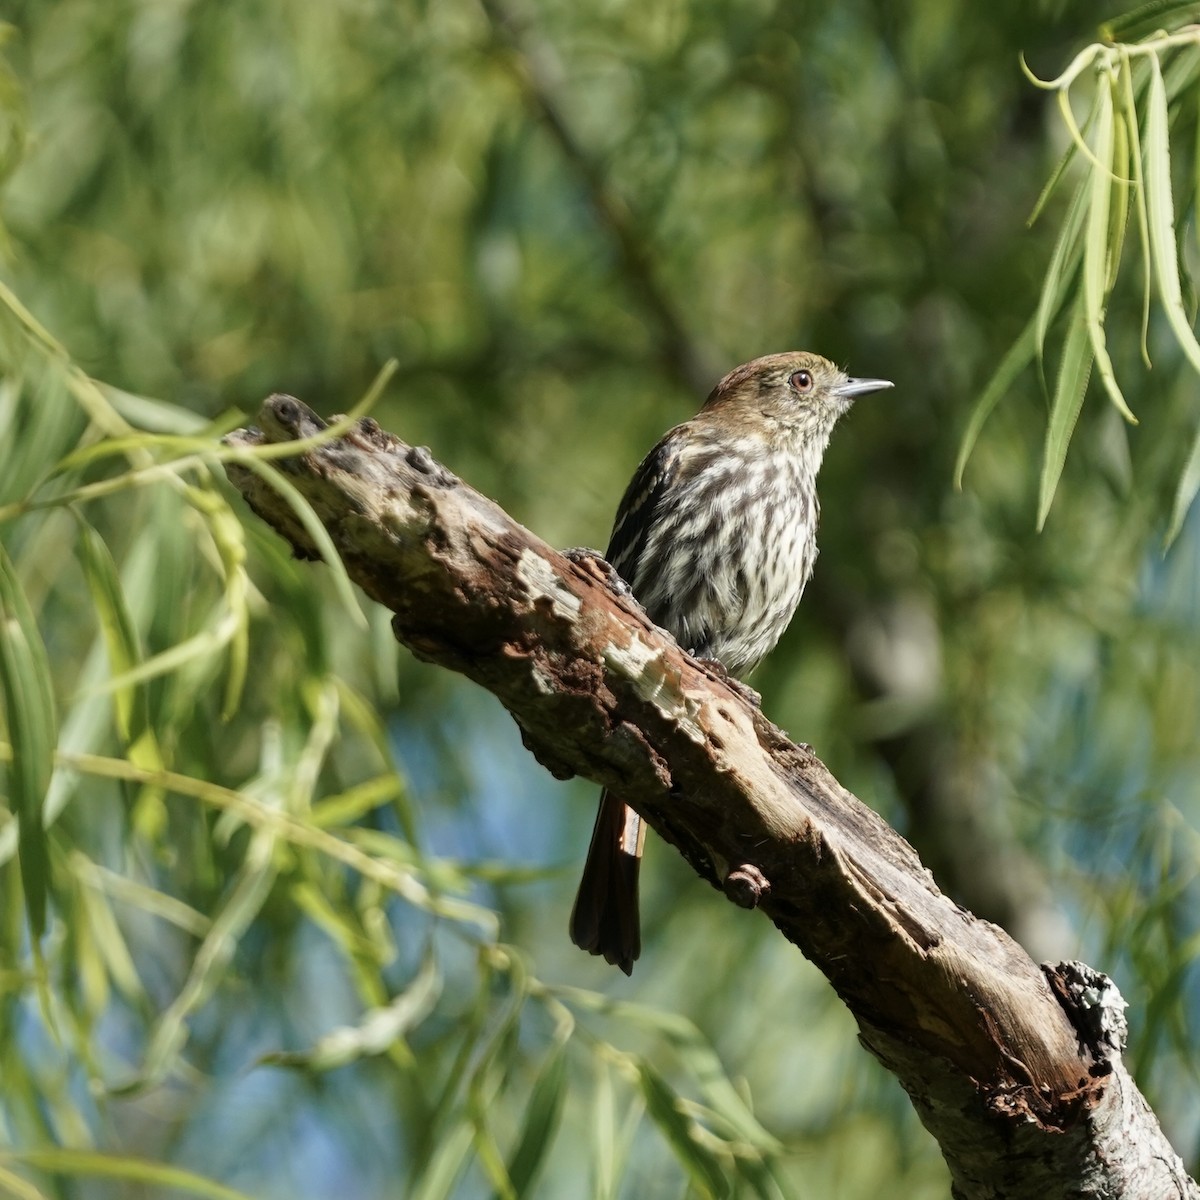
x=802 y=381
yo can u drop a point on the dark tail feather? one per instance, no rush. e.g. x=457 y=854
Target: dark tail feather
x=605 y=917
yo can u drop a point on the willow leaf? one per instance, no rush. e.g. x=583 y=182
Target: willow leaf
x=662 y=1105
x=1129 y=116
x=32 y=733
x=542 y=1115
x=1068 y=251
x=1165 y=254
x=1020 y=354
x=1185 y=492
x=1097 y=247
x=1161 y=211
x=1073 y=372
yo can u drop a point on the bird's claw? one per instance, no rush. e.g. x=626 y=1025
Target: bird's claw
x=581 y=555
x=747 y=693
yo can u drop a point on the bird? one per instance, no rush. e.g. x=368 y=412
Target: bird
x=715 y=537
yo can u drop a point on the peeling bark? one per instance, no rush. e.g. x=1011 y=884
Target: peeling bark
x=1015 y=1070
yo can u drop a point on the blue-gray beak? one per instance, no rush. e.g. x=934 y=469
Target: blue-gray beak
x=860 y=387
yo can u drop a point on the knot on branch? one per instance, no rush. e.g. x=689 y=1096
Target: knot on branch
x=286 y=419
x=747 y=886
x=1094 y=1005
x=546 y=756
x=420 y=459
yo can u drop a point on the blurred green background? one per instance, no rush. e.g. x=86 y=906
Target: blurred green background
x=563 y=222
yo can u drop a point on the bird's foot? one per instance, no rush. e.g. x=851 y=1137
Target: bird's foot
x=747 y=693
x=581 y=555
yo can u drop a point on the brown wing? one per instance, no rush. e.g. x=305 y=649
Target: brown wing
x=640 y=505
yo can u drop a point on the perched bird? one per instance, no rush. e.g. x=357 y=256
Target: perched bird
x=716 y=538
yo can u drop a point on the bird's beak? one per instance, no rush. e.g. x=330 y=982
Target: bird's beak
x=860 y=387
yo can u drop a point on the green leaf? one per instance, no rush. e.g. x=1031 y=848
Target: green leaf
x=50 y=419
x=1129 y=116
x=102 y=943
x=149 y=900
x=1097 y=248
x=378 y=1031
x=160 y=416
x=448 y=1162
x=33 y=733
x=1165 y=252
x=1185 y=492
x=1051 y=185
x=481 y=1049
x=1019 y=355
x=541 y=1120
x=121 y=639
x=1120 y=187
x=1179 y=72
x=664 y=1109
x=1161 y=213
x=1068 y=251
x=1068 y=116
x=728 y=1108
x=695 y=1053
x=88 y=1164
x=345 y=808
x=487 y=1151
x=608 y=1152
x=312 y=526
x=221 y=628
x=13 y=1185
x=1059 y=171
x=1073 y=372
x=1030 y=343
x=1147 y=18
x=251 y=887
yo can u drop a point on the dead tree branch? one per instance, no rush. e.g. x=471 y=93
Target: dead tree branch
x=531 y=62
x=1015 y=1070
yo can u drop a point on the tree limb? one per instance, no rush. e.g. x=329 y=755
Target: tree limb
x=530 y=61
x=1017 y=1072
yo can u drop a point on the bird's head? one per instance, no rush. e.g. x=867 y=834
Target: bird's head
x=796 y=393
